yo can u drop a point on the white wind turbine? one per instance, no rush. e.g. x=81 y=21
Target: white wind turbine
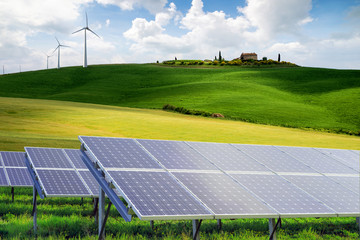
x=47 y=60
x=58 y=48
x=85 y=49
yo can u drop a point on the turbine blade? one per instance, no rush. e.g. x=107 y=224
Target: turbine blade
x=78 y=30
x=57 y=40
x=86 y=19
x=55 y=49
x=93 y=32
x=64 y=46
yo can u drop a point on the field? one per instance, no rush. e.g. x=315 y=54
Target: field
x=321 y=99
x=28 y=119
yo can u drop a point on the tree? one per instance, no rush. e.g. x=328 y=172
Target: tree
x=175 y=58
x=220 y=57
x=215 y=58
x=279 y=57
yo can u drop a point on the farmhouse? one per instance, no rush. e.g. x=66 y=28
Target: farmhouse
x=248 y=56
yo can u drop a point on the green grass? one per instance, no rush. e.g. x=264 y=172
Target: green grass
x=64 y=218
x=322 y=99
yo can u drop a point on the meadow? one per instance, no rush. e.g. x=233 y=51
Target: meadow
x=51 y=108
x=308 y=98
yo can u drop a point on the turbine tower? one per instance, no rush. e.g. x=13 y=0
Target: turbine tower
x=58 y=48
x=47 y=60
x=85 y=49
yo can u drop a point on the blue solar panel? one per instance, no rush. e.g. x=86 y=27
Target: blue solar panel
x=176 y=155
x=3 y=180
x=346 y=157
x=75 y=157
x=48 y=158
x=224 y=196
x=157 y=195
x=317 y=160
x=91 y=182
x=118 y=152
x=227 y=158
x=19 y=177
x=62 y=183
x=334 y=195
x=350 y=182
x=13 y=159
x=283 y=196
x=274 y=159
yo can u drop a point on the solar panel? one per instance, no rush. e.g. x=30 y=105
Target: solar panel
x=48 y=158
x=3 y=180
x=62 y=183
x=176 y=155
x=346 y=157
x=317 y=160
x=13 y=159
x=334 y=195
x=224 y=196
x=350 y=182
x=157 y=195
x=274 y=159
x=19 y=177
x=75 y=157
x=118 y=152
x=227 y=158
x=91 y=182
x=284 y=197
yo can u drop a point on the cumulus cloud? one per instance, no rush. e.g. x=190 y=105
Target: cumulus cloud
x=153 y=6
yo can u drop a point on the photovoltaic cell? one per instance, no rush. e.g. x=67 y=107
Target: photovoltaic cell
x=346 y=157
x=19 y=177
x=75 y=157
x=317 y=160
x=90 y=181
x=157 y=195
x=48 y=158
x=352 y=183
x=118 y=152
x=176 y=155
x=62 y=183
x=13 y=159
x=224 y=196
x=274 y=159
x=334 y=195
x=3 y=181
x=284 y=197
x=227 y=158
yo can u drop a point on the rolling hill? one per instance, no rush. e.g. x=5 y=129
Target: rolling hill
x=322 y=99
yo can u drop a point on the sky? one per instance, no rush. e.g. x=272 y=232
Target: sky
x=315 y=33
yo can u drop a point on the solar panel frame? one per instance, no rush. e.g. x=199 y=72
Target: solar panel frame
x=3 y=178
x=19 y=177
x=52 y=159
x=346 y=157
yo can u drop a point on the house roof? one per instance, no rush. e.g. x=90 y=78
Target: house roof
x=248 y=54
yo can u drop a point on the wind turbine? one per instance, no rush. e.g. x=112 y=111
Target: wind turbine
x=58 y=48
x=85 y=49
x=47 y=60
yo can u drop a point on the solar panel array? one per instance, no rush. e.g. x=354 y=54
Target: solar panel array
x=180 y=180
x=13 y=171
x=61 y=172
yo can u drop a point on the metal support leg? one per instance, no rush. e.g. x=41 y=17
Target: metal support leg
x=196 y=227
x=102 y=231
x=12 y=194
x=219 y=224
x=358 y=223
x=272 y=227
x=152 y=224
x=34 y=212
x=95 y=212
x=101 y=212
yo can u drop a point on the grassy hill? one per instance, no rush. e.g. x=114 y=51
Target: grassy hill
x=322 y=99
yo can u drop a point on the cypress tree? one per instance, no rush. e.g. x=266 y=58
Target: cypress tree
x=279 y=57
x=220 y=57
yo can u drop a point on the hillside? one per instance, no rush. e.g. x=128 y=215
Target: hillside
x=293 y=97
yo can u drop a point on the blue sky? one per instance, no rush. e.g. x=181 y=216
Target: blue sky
x=318 y=33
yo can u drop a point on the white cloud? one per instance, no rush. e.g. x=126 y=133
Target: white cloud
x=107 y=22
x=153 y=6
